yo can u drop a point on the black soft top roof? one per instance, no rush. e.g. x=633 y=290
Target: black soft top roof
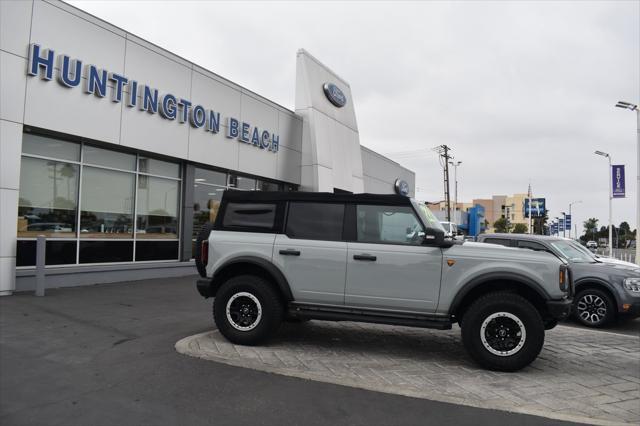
x=251 y=196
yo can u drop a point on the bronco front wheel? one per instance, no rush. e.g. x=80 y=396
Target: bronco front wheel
x=503 y=332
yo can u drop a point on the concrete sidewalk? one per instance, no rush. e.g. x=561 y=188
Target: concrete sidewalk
x=581 y=375
x=104 y=355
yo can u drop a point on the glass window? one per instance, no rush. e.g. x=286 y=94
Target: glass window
x=498 y=241
x=48 y=147
x=206 y=203
x=108 y=158
x=388 y=224
x=156 y=250
x=56 y=252
x=106 y=204
x=571 y=253
x=315 y=221
x=427 y=216
x=47 y=201
x=263 y=185
x=240 y=215
x=158 y=167
x=106 y=251
x=532 y=245
x=241 y=182
x=157 y=207
x=210 y=177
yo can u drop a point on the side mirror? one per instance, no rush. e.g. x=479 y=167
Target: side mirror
x=433 y=237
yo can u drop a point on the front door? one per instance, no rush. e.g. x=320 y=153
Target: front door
x=388 y=267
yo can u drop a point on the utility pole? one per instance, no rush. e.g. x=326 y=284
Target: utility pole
x=443 y=151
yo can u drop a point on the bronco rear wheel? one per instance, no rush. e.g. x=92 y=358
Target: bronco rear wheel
x=247 y=310
x=503 y=331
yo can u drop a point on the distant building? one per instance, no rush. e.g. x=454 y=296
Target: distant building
x=510 y=207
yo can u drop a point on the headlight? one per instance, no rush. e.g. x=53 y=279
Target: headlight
x=632 y=284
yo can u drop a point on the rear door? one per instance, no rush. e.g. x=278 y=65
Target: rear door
x=312 y=253
x=388 y=266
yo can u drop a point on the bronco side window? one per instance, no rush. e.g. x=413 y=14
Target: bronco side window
x=315 y=221
x=388 y=225
x=250 y=217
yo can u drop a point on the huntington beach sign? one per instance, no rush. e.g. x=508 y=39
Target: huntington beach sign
x=70 y=73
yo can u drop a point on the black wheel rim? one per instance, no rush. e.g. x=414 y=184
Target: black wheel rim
x=244 y=311
x=503 y=334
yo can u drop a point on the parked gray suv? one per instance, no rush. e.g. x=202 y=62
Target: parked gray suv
x=293 y=256
x=605 y=292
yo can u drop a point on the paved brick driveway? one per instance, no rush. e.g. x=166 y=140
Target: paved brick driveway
x=580 y=375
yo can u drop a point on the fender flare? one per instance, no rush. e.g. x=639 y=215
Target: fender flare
x=496 y=276
x=270 y=268
x=598 y=281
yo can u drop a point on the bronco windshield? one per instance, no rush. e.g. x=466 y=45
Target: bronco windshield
x=427 y=216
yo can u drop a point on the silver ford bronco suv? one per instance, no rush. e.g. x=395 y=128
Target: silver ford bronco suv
x=294 y=256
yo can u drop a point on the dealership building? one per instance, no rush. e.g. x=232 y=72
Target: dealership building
x=118 y=151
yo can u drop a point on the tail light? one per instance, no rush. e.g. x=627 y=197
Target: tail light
x=204 y=252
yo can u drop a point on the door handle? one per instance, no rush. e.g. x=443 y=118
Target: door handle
x=290 y=252
x=364 y=257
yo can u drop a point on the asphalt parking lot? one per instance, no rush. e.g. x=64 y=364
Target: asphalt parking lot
x=105 y=355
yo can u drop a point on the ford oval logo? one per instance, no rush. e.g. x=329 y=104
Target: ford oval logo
x=401 y=187
x=334 y=94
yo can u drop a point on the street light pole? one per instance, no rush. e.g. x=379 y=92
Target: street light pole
x=632 y=107
x=564 y=224
x=455 y=194
x=570 y=204
x=604 y=154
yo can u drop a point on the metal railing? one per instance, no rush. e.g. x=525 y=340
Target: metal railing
x=628 y=255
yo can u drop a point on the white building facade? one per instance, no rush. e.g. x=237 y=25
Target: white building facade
x=118 y=151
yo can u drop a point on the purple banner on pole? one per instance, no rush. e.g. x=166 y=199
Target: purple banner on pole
x=617 y=178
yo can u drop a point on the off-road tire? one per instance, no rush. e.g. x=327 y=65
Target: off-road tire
x=597 y=294
x=512 y=304
x=203 y=235
x=270 y=304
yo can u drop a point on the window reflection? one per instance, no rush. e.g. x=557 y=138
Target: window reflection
x=206 y=202
x=47 y=201
x=157 y=207
x=106 y=204
x=241 y=182
x=264 y=185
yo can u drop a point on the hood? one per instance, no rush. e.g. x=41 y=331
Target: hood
x=609 y=269
x=496 y=250
x=612 y=261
